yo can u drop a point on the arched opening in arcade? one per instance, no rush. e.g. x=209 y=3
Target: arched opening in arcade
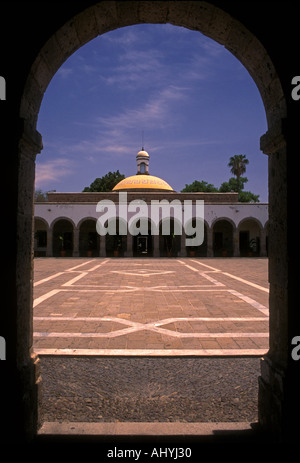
x=89 y=239
x=223 y=243
x=115 y=241
x=251 y=241
x=141 y=238
x=40 y=237
x=200 y=250
x=62 y=240
x=170 y=233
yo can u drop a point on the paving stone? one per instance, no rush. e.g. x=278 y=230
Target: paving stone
x=158 y=304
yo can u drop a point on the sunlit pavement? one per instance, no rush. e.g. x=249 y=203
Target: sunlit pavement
x=164 y=306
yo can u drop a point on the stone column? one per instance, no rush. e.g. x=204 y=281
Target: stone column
x=210 y=250
x=182 y=252
x=49 y=251
x=102 y=251
x=129 y=252
x=156 y=252
x=262 y=239
x=279 y=380
x=236 y=242
x=26 y=371
x=75 y=252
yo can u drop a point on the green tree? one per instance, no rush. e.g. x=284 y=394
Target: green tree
x=40 y=196
x=238 y=165
x=197 y=186
x=248 y=197
x=237 y=185
x=105 y=183
x=233 y=184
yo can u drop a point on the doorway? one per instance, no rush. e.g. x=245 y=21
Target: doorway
x=142 y=245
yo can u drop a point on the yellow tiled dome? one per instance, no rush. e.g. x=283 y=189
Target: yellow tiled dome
x=143 y=182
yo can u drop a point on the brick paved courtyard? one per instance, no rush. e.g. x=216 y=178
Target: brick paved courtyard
x=181 y=306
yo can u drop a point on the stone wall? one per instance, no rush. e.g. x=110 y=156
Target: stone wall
x=89 y=197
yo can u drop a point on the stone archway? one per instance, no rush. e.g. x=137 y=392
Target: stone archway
x=251 y=238
x=223 y=238
x=170 y=237
x=265 y=232
x=62 y=237
x=89 y=239
x=205 y=248
x=40 y=237
x=223 y=28
x=116 y=244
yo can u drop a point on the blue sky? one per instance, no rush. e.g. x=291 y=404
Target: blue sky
x=194 y=103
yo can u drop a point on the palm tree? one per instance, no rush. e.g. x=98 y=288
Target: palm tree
x=238 y=165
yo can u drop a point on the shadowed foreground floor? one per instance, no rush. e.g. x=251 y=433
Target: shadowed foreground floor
x=91 y=389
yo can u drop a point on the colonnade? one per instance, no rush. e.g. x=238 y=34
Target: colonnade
x=222 y=239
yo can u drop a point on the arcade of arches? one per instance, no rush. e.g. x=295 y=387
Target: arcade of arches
x=230 y=228
x=258 y=46
x=223 y=239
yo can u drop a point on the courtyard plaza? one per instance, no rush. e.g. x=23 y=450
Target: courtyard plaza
x=151 y=306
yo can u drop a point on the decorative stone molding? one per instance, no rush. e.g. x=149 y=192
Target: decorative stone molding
x=30 y=142
x=274 y=139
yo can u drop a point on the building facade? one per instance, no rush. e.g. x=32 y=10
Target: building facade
x=66 y=225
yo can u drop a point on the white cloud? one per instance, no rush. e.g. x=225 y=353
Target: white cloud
x=127 y=36
x=52 y=170
x=64 y=71
x=137 y=69
x=118 y=134
x=156 y=112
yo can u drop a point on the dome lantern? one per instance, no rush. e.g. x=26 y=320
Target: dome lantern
x=142 y=160
x=143 y=181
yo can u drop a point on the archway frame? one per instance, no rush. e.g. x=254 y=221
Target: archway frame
x=231 y=247
x=223 y=28
x=258 y=241
x=37 y=228
x=250 y=219
x=85 y=246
